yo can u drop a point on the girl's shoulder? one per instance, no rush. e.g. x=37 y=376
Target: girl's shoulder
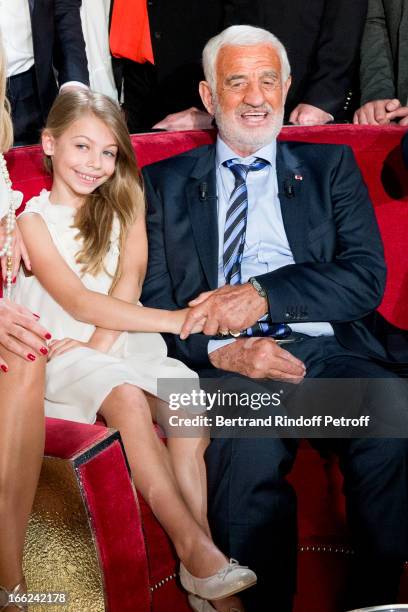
x=53 y=214
x=38 y=204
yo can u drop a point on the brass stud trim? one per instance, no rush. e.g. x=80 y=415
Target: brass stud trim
x=327 y=549
x=163 y=582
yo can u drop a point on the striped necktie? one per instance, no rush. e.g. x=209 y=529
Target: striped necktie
x=236 y=219
x=234 y=241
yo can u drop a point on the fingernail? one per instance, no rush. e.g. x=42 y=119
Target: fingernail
x=43 y=350
x=14 y=280
x=4 y=368
x=31 y=357
x=48 y=336
x=36 y=315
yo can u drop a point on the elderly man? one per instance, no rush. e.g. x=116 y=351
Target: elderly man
x=285 y=237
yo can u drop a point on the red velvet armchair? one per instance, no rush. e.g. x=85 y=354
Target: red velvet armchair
x=92 y=535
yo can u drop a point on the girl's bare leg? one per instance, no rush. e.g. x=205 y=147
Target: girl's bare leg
x=187 y=460
x=126 y=408
x=21 y=453
x=184 y=474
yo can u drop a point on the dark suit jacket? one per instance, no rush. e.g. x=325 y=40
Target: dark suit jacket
x=58 y=42
x=322 y=38
x=339 y=273
x=384 y=51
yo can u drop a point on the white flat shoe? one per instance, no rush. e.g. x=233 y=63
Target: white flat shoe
x=230 y=579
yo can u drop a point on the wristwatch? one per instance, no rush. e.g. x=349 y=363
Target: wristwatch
x=257 y=286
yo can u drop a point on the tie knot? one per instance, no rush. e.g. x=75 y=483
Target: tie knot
x=240 y=171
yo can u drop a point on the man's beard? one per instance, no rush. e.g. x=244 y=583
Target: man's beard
x=252 y=138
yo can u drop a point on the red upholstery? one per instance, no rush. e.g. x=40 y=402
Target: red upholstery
x=323 y=538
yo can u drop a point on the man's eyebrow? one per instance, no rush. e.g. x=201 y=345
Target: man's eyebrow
x=271 y=73
x=235 y=77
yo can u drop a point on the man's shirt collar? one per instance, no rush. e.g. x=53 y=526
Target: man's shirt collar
x=223 y=153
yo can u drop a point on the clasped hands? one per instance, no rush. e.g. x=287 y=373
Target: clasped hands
x=235 y=308
x=231 y=308
x=381 y=112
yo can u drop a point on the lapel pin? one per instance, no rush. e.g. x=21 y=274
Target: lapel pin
x=298 y=177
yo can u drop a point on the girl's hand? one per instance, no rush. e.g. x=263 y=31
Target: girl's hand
x=58 y=347
x=19 y=252
x=179 y=317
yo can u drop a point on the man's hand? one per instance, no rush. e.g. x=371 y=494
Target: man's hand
x=190 y=119
x=306 y=114
x=259 y=358
x=400 y=113
x=21 y=333
x=379 y=112
x=232 y=307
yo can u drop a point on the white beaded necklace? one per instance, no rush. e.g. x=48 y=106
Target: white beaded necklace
x=10 y=224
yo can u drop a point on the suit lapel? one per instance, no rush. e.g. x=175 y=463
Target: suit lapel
x=292 y=187
x=31 y=5
x=203 y=214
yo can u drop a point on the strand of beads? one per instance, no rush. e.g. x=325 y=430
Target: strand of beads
x=7 y=248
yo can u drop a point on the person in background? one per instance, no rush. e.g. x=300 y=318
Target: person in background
x=95 y=28
x=23 y=346
x=39 y=38
x=160 y=49
x=384 y=64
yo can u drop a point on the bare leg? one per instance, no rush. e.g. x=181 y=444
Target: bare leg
x=21 y=453
x=127 y=409
x=187 y=461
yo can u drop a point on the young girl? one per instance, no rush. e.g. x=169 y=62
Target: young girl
x=88 y=249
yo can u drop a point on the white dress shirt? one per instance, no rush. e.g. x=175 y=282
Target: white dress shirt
x=95 y=27
x=15 y=27
x=266 y=244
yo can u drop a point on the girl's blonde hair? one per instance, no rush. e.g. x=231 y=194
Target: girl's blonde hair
x=121 y=195
x=6 y=126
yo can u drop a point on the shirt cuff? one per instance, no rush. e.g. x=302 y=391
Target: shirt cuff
x=213 y=345
x=73 y=84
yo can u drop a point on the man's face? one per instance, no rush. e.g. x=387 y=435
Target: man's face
x=248 y=104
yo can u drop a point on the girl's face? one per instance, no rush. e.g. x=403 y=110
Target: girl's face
x=83 y=158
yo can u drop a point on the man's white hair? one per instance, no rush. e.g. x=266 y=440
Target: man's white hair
x=240 y=35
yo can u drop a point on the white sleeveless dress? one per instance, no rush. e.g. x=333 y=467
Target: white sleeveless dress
x=79 y=380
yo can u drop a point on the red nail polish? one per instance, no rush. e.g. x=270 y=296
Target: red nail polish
x=43 y=350
x=31 y=357
x=48 y=336
x=4 y=368
x=14 y=280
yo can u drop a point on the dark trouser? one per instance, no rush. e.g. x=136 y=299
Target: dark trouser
x=139 y=82
x=252 y=509
x=26 y=113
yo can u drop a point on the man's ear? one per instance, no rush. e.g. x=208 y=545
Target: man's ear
x=206 y=96
x=48 y=142
x=285 y=88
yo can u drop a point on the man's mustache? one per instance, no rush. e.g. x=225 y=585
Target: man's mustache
x=245 y=108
